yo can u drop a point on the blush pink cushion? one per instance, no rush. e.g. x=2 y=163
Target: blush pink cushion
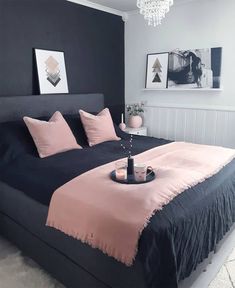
x=51 y=137
x=99 y=128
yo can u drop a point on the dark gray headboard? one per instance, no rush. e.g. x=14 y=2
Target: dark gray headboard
x=14 y=108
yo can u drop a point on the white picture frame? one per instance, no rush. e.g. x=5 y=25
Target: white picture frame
x=51 y=71
x=157 y=71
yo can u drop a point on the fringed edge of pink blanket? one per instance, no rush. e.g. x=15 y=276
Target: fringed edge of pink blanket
x=106 y=249
x=110 y=251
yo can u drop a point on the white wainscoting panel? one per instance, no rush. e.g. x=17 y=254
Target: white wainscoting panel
x=197 y=125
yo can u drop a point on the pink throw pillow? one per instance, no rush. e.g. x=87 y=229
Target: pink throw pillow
x=99 y=128
x=51 y=137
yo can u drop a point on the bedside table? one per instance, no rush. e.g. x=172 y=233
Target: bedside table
x=136 y=131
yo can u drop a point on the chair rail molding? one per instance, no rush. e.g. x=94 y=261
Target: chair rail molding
x=193 y=107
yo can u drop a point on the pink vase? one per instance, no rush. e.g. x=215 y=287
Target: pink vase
x=135 y=121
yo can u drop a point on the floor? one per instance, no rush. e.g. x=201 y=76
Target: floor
x=18 y=271
x=226 y=276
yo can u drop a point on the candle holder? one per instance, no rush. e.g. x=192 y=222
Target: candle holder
x=121 y=170
x=122 y=125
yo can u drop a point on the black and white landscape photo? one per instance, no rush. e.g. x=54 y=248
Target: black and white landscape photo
x=195 y=69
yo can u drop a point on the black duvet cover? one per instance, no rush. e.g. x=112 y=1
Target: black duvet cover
x=176 y=239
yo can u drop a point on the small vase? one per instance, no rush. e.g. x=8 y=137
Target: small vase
x=135 y=121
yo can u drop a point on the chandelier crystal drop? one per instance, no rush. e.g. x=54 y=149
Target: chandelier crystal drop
x=154 y=10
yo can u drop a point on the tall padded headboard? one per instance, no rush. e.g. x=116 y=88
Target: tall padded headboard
x=15 y=107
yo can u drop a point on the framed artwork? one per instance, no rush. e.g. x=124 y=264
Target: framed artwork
x=195 y=68
x=157 y=70
x=51 y=72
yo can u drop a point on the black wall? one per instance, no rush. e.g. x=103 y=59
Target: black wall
x=93 y=42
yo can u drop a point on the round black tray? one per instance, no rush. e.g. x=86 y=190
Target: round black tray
x=131 y=180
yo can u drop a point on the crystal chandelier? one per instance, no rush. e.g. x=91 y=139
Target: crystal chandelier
x=154 y=10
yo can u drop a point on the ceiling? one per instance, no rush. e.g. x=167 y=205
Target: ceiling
x=125 y=5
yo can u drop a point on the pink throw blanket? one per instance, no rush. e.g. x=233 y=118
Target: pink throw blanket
x=111 y=216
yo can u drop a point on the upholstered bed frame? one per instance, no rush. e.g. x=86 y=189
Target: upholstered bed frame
x=15 y=107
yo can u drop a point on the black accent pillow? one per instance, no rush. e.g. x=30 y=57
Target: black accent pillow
x=15 y=140
x=76 y=126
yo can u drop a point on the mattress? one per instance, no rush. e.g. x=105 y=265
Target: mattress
x=175 y=241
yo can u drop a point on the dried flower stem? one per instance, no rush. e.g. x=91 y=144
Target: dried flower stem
x=129 y=152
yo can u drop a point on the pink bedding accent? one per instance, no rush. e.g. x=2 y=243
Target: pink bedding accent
x=99 y=128
x=51 y=137
x=111 y=216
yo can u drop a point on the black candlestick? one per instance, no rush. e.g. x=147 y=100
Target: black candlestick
x=130 y=167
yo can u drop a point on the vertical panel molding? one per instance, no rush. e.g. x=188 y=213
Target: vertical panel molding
x=202 y=126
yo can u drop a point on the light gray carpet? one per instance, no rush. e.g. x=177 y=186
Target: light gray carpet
x=18 y=271
x=226 y=276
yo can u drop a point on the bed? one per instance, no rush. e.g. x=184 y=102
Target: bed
x=176 y=240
